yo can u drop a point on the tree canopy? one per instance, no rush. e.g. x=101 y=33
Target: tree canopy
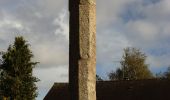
x=133 y=66
x=17 y=81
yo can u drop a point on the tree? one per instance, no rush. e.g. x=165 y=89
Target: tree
x=1 y=97
x=117 y=75
x=164 y=75
x=17 y=81
x=133 y=66
x=167 y=73
x=98 y=78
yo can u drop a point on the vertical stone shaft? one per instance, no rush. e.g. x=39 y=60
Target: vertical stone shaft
x=82 y=49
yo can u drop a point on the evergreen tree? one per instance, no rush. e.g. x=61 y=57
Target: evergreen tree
x=17 y=81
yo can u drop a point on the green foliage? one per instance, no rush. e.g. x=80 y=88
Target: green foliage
x=17 y=81
x=133 y=66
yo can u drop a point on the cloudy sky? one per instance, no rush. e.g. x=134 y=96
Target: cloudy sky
x=120 y=23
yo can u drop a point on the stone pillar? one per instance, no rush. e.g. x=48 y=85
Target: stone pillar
x=82 y=49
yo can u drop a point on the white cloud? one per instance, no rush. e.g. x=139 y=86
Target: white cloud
x=142 y=29
x=142 y=24
x=108 y=11
x=159 y=62
x=35 y=21
x=10 y=23
x=50 y=75
x=120 y=23
x=49 y=54
x=52 y=7
x=159 y=11
x=62 y=22
x=110 y=44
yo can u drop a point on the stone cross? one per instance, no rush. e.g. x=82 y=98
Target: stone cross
x=82 y=49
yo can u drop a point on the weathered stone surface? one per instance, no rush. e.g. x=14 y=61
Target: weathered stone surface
x=82 y=50
x=87 y=2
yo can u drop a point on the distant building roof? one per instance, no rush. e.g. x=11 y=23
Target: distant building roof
x=119 y=90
